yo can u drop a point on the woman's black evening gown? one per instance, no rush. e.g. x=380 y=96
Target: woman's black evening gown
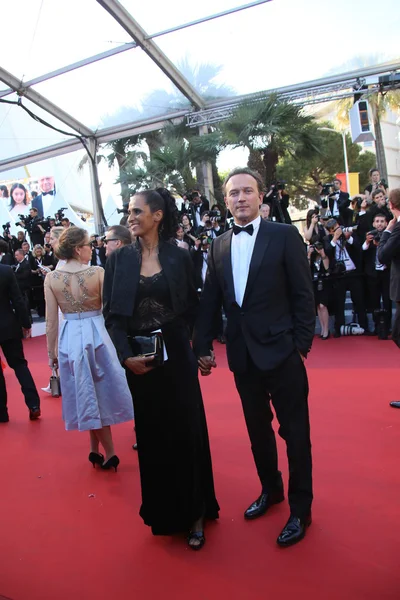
x=173 y=447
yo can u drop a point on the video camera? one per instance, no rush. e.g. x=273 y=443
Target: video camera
x=327 y=189
x=275 y=187
x=60 y=215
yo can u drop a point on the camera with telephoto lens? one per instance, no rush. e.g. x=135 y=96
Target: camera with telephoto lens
x=6 y=228
x=215 y=214
x=60 y=213
x=383 y=182
x=376 y=234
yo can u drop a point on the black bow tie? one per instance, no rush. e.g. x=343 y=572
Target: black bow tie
x=248 y=229
x=51 y=193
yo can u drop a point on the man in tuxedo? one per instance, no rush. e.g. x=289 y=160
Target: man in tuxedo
x=98 y=253
x=259 y=271
x=43 y=201
x=389 y=251
x=14 y=316
x=344 y=250
x=377 y=276
x=197 y=208
x=337 y=202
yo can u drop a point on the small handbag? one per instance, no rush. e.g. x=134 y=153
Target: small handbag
x=149 y=345
x=55 y=387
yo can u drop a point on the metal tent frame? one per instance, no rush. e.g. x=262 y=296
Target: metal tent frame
x=200 y=114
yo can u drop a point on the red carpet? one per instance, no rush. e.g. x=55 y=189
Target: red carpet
x=69 y=531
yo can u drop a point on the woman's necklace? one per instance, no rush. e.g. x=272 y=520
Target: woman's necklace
x=150 y=248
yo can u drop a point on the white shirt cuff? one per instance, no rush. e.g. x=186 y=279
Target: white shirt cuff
x=333 y=243
x=350 y=240
x=365 y=246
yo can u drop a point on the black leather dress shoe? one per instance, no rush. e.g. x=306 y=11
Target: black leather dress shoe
x=294 y=531
x=262 y=504
x=395 y=404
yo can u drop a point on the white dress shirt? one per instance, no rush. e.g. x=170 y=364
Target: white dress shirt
x=241 y=253
x=342 y=254
x=47 y=201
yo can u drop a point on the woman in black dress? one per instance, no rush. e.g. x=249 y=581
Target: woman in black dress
x=149 y=286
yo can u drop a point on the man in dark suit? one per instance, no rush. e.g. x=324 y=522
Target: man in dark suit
x=259 y=271
x=337 y=203
x=6 y=258
x=98 y=253
x=197 y=208
x=344 y=250
x=43 y=201
x=377 y=277
x=14 y=315
x=389 y=251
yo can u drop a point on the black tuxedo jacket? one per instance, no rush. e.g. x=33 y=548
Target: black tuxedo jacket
x=23 y=274
x=343 y=202
x=38 y=203
x=354 y=250
x=389 y=250
x=13 y=311
x=7 y=259
x=103 y=258
x=277 y=315
x=204 y=206
x=369 y=261
x=121 y=282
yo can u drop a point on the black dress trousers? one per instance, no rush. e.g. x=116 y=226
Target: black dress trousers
x=287 y=388
x=14 y=355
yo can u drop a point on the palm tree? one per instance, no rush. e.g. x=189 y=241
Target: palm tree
x=380 y=104
x=124 y=154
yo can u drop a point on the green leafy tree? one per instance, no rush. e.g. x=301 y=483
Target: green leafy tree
x=303 y=175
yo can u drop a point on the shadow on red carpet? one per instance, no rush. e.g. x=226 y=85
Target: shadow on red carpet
x=71 y=531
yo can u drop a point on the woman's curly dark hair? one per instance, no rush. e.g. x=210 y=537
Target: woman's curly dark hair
x=162 y=199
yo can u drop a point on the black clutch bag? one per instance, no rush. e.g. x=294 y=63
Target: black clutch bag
x=149 y=345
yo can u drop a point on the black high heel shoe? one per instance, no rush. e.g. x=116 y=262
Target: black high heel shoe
x=96 y=459
x=112 y=462
x=196 y=536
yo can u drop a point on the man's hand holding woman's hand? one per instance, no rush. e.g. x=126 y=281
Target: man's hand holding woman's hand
x=206 y=363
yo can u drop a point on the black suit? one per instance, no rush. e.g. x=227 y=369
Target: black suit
x=378 y=285
x=350 y=280
x=38 y=203
x=389 y=250
x=14 y=315
x=265 y=337
x=101 y=252
x=7 y=259
x=343 y=202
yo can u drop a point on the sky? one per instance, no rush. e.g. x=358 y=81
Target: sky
x=275 y=44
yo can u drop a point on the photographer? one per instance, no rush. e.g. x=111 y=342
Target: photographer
x=319 y=264
x=376 y=183
x=189 y=232
x=98 y=252
x=198 y=206
x=39 y=272
x=314 y=231
x=344 y=252
x=336 y=201
x=210 y=225
x=379 y=204
x=377 y=278
x=49 y=258
x=33 y=226
x=279 y=202
x=359 y=219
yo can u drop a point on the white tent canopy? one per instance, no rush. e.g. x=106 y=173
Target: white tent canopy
x=102 y=70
